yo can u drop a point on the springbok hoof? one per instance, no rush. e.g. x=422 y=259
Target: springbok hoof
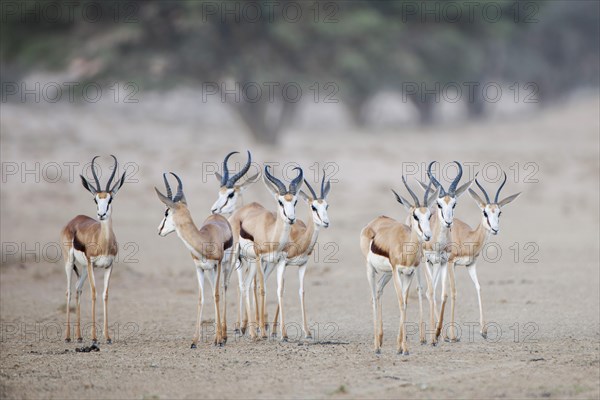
x=79 y=340
x=308 y=336
x=453 y=340
x=236 y=331
x=108 y=341
x=193 y=346
x=274 y=335
x=284 y=339
x=67 y=340
x=484 y=335
x=377 y=351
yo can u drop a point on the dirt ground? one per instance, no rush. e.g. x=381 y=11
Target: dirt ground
x=541 y=292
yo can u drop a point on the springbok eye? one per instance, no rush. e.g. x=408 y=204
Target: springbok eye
x=296 y=202
x=499 y=213
x=281 y=203
x=415 y=217
x=230 y=195
x=95 y=200
x=167 y=212
x=327 y=207
x=439 y=205
x=430 y=217
x=453 y=206
x=110 y=200
x=314 y=208
x=485 y=214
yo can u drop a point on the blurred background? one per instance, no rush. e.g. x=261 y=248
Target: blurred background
x=391 y=63
x=365 y=90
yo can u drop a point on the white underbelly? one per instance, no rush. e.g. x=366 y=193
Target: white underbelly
x=207 y=265
x=436 y=257
x=379 y=263
x=103 y=261
x=297 y=261
x=247 y=248
x=463 y=261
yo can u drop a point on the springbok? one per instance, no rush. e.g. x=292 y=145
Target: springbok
x=435 y=251
x=263 y=237
x=91 y=244
x=465 y=247
x=302 y=243
x=231 y=193
x=393 y=249
x=230 y=199
x=208 y=245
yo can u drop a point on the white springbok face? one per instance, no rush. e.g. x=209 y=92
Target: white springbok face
x=445 y=206
x=227 y=201
x=286 y=206
x=167 y=225
x=491 y=211
x=491 y=217
x=103 y=205
x=420 y=218
x=319 y=212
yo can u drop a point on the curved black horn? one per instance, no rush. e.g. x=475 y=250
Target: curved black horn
x=95 y=176
x=275 y=181
x=500 y=188
x=225 y=177
x=325 y=186
x=169 y=193
x=435 y=182
x=487 y=199
x=452 y=188
x=112 y=175
x=312 y=192
x=412 y=194
x=179 y=194
x=242 y=172
x=297 y=181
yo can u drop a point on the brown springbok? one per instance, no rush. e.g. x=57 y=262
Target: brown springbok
x=302 y=243
x=393 y=250
x=89 y=244
x=263 y=237
x=209 y=245
x=465 y=246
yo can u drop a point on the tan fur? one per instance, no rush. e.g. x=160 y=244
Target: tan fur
x=400 y=244
x=266 y=228
x=93 y=238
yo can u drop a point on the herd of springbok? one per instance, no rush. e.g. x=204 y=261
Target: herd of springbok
x=255 y=241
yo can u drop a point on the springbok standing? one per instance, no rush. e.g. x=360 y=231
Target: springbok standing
x=91 y=244
x=208 y=245
x=393 y=249
x=229 y=200
x=263 y=237
x=302 y=243
x=435 y=251
x=466 y=246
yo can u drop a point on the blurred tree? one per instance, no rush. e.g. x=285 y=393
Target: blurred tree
x=362 y=46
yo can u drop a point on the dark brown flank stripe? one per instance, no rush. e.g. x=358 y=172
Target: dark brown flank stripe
x=77 y=244
x=378 y=250
x=228 y=243
x=245 y=235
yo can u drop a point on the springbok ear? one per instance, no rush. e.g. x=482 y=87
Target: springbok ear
x=402 y=201
x=508 y=199
x=87 y=185
x=305 y=197
x=433 y=197
x=218 y=176
x=166 y=201
x=249 y=181
x=118 y=185
x=462 y=188
x=272 y=188
x=477 y=199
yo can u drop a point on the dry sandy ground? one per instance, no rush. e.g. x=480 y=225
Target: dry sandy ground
x=544 y=306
